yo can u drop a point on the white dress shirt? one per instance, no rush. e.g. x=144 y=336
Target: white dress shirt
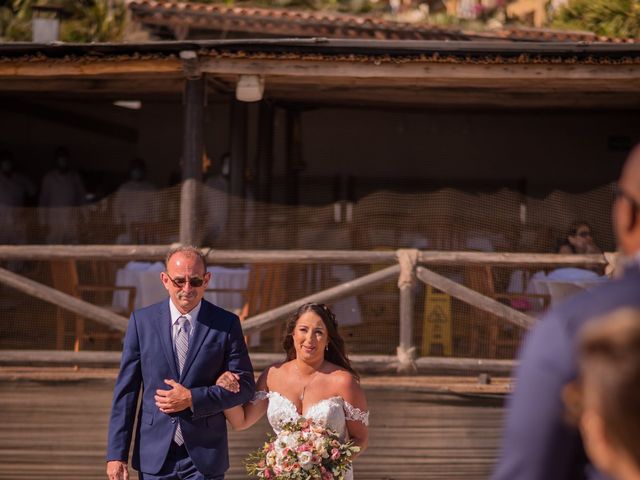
x=175 y=314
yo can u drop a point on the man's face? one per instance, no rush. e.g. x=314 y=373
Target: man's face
x=183 y=271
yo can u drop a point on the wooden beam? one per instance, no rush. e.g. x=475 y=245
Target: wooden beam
x=423 y=72
x=78 y=121
x=124 y=86
x=361 y=257
x=260 y=361
x=62 y=300
x=507 y=259
x=85 y=68
x=269 y=318
x=474 y=298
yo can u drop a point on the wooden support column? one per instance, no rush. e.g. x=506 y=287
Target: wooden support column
x=193 y=147
x=406 y=281
x=264 y=167
x=294 y=162
x=238 y=142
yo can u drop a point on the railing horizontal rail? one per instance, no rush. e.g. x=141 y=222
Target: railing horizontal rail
x=158 y=252
x=362 y=363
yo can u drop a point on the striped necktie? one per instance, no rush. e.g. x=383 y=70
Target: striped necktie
x=182 y=347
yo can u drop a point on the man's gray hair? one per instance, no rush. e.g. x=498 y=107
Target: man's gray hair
x=187 y=250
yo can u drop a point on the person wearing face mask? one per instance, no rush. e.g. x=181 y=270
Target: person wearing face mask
x=14 y=190
x=215 y=199
x=135 y=205
x=61 y=193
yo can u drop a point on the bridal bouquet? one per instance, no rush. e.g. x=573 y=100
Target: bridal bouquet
x=303 y=450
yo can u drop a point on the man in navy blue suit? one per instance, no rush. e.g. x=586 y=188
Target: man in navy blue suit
x=538 y=444
x=173 y=353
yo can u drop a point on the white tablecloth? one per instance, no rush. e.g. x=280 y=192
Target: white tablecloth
x=149 y=288
x=565 y=282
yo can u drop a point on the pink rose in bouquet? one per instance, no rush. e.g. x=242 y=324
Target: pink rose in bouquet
x=303 y=450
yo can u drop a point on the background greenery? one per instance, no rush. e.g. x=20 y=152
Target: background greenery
x=106 y=20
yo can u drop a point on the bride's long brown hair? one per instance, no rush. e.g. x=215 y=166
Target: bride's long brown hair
x=335 y=352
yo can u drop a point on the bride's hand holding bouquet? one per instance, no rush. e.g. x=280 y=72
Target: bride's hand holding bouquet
x=303 y=450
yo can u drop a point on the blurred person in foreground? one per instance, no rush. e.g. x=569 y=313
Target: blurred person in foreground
x=605 y=399
x=538 y=443
x=173 y=353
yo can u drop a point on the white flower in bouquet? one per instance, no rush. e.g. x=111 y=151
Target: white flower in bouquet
x=303 y=450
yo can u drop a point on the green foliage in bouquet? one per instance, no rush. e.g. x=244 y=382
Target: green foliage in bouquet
x=303 y=450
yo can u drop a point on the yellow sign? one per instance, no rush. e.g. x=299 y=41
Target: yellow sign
x=436 y=334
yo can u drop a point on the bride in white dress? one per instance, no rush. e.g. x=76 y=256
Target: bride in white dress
x=316 y=381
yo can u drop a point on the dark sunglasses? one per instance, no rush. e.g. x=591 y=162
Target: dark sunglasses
x=584 y=234
x=179 y=282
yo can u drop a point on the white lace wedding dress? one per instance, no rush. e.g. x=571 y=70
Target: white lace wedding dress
x=331 y=413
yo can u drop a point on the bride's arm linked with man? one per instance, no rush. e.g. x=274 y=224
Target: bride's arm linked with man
x=188 y=361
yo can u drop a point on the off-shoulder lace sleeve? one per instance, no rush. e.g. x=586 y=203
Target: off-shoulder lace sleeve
x=259 y=395
x=354 y=413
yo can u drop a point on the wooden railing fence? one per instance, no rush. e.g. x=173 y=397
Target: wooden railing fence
x=405 y=264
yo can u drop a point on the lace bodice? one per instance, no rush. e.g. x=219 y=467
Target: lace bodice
x=332 y=412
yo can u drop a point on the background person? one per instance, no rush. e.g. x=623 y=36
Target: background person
x=136 y=205
x=62 y=190
x=579 y=239
x=14 y=190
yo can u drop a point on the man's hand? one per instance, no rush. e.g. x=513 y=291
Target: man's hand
x=117 y=470
x=229 y=381
x=174 y=400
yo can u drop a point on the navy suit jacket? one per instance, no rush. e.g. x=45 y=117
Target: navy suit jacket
x=538 y=443
x=216 y=345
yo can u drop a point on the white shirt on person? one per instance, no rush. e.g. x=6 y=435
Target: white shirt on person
x=175 y=314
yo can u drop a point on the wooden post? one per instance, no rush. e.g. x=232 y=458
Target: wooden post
x=362 y=363
x=238 y=158
x=265 y=153
x=406 y=281
x=192 y=149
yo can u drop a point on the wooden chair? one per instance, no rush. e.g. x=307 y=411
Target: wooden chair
x=265 y=290
x=501 y=335
x=64 y=274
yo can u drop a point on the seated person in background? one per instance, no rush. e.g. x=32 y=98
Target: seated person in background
x=605 y=400
x=579 y=240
